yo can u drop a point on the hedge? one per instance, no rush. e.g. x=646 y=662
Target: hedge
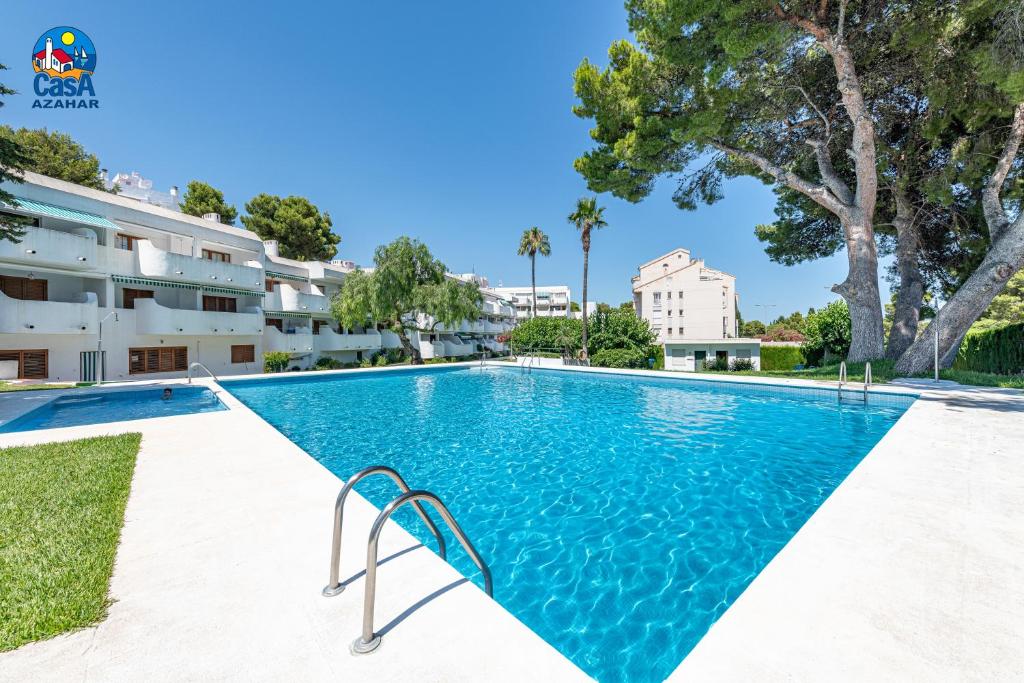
x=781 y=357
x=619 y=358
x=999 y=351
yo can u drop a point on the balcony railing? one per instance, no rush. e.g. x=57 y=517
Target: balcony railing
x=152 y=318
x=48 y=317
x=329 y=340
x=152 y=261
x=297 y=343
x=288 y=299
x=43 y=246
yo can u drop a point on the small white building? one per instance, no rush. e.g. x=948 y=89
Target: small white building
x=552 y=300
x=692 y=309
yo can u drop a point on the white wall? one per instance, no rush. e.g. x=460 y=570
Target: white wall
x=683 y=356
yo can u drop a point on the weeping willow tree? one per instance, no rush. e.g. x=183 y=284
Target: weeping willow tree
x=406 y=287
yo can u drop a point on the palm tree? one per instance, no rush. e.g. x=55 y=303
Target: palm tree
x=587 y=216
x=534 y=242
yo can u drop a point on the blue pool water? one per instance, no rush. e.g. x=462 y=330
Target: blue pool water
x=109 y=405
x=620 y=517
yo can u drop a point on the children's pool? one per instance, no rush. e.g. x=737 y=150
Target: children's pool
x=620 y=516
x=82 y=407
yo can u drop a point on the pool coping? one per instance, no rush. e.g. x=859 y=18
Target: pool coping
x=746 y=641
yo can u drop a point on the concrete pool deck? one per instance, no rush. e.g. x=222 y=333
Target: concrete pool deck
x=912 y=569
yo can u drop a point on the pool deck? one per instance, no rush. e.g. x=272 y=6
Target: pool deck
x=912 y=569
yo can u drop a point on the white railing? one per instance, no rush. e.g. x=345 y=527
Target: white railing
x=75 y=250
x=48 y=317
x=151 y=261
x=329 y=340
x=297 y=343
x=152 y=318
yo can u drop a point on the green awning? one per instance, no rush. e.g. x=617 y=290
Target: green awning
x=129 y=280
x=53 y=211
x=286 y=314
x=234 y=292
x=272 y=275
x=171 y=284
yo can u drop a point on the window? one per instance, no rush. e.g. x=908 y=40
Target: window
x=129 y=296
x=668 y=295
x=157 y=359
x=670 y=331
x=276 y=322
x=725 y=326
x=126 y=242
x=743 y=353
x=211 y=255
x=22 y=220
x=24 y=288
x=270 y=284
x=243 y=353
x=680 y=297
x=657 y=301
x=722 y=355
x=31 y=364
x=222 y=304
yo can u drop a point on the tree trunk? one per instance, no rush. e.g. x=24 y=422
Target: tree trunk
x=911 y=292
x=954 y=319
x=860 y=290
x=586 y=261
x=533 y=281
x=414 y=354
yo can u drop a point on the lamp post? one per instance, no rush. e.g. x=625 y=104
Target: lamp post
x=99 y=348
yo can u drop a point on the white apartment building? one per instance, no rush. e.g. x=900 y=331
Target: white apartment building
x=150 y=291
x=552 y=300
x=692 y=309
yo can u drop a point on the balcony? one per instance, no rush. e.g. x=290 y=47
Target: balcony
x=329 y=340
x=298 y=343
x=288 y=299
x=48 y=317
x=152 y=318
x=152 y=261
x=45 y=247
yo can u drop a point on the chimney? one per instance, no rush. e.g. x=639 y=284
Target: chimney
x=174 y=192
x=270 y=246
x=215 y=217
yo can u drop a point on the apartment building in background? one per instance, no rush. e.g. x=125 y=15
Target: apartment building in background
x=103 y=281
x=552 y=300
x=692 y=309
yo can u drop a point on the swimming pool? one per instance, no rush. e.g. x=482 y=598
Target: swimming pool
x=113 y=405
x=620 y=516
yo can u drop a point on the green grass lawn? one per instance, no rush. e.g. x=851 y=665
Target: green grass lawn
x=61 y=511
x=7 y=386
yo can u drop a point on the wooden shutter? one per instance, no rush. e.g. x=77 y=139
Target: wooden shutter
x=180 y=357
x=157 y=359
x=276 y=322
x=24 y=288
x=223 y=304
x=130 y=295
x=32 y=364
x=243 y=353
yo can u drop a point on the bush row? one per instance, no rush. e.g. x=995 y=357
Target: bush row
x=1000 y=351
x=782 y=357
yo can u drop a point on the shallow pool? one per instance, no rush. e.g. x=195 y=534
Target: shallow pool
x=620 y=516
x=113 y=405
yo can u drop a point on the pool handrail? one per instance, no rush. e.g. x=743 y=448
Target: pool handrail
x=334 y=586
x=208 y=371
x=368 y=641
x=842 y=379
x=868 y=380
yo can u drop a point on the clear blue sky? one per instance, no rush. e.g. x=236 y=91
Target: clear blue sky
x=450 y=122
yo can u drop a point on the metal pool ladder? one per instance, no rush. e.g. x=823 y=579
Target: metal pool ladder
x=368 y=641
x=208 y=371
x=867 y=380
x=527 y=365
x=842 y=379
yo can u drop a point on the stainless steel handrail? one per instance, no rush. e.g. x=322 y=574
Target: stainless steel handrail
x=369 y=641
x=842 y=379
x=208 y=371
x=867 y=380
x=334 y=586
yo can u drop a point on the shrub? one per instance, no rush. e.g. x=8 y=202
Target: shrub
x=275 y=361
x=547 y=333
x=717 y=364
x=658 y=354
x=999 y=351
x=366 y=363
x=395 y=356
x=741 y=364
x=327 y=363
x=619 y=329
x=782 y=357
x=381 y=360
x=619 y=358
